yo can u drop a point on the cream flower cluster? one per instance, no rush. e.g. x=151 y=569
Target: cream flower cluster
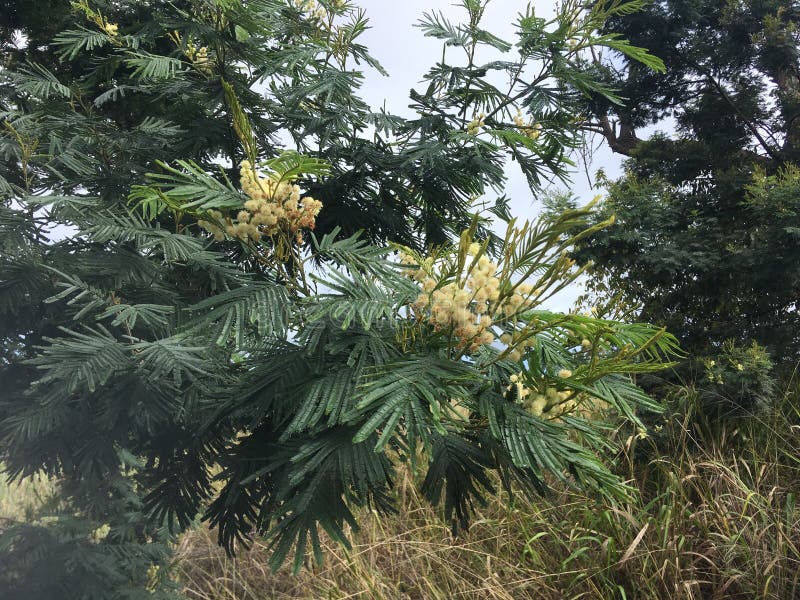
x=110 y=29
x=274 y=206
x=464 y=308
x=523 y=298
x=99 y=534
x=474 y=126
x=452 y=307
x=529 y=129
x=314 y=10
x=549 y=405
x=470 y=307
x=215 y=226
x=152 y=577
x=198 y=56
x=418 y=274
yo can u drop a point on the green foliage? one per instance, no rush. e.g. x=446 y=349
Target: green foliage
x=737 y=380
x=704 y=521
x=231 y=313
x=272 y=385
x=364 y=381
x=707 y=215
x=711 y=264
x=39 y=83
x=183 y=188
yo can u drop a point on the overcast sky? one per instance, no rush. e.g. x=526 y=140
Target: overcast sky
x=407 y=54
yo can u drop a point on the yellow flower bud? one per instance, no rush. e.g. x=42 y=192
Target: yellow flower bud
x=462 y=296
x=538 y=405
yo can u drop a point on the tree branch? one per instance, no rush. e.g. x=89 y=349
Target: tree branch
x=623 y=142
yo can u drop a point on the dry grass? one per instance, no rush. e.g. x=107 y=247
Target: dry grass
x=713 y=524
x=409 y=555
x=716 y=518
x=19 y=501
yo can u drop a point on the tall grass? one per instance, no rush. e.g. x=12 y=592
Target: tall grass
x=23 y=500
x=716 y=517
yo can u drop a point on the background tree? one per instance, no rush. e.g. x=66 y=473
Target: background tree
x=707 y=216
x=160 y=316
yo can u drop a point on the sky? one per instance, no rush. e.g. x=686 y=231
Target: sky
x=407 y=54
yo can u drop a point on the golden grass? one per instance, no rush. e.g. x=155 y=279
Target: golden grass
x=19 y=501
x=710 y=524
x=714 y=519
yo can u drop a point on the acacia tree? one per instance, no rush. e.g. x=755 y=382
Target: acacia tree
x=193 y=327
